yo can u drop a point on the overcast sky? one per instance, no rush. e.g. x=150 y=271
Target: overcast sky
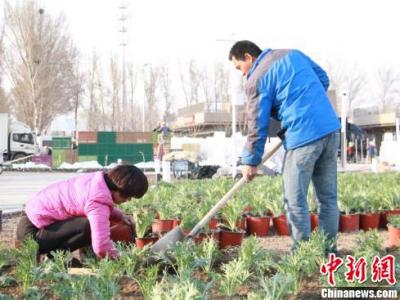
x=363 y=31
x=352 y=33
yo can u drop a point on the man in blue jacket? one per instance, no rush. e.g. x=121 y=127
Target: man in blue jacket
x=288 y=86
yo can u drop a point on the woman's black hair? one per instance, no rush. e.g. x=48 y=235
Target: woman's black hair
x=129 y=180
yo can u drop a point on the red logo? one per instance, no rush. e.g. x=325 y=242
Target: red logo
x=383 y=268
x=356 y=269
x=331 y=267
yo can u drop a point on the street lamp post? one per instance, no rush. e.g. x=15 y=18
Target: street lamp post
x=233 y=110
x=143 y=114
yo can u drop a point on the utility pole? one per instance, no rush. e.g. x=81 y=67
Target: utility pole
x=38 y=62
x=123 y=30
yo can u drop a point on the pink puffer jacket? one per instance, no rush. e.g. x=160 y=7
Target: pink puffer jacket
x=87 y=196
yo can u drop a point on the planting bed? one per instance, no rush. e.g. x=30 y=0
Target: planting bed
x=261 y=268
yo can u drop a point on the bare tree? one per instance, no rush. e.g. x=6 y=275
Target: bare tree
x=40 y=63
x=388 y=87
x=194 y=80
x=115 y=76
x=221 y=84
x=3 y=99
x=133 y=125
x=150 y=91
x=206 y=86
x=190 y=76
x=350 y=80
x=165 y=86
x=94 y=90
x=79 y=89
x=184 y=84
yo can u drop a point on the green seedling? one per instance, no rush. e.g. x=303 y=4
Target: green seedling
x=104 y=285
x=131 y=259
x=234 y=275
x=277 y=288
x=143 y=221
x=177 y=289
x=206 y=255
x=147 y=281
x=231 y=213
x=255 y=257
x=394 y=220
x=27 y=269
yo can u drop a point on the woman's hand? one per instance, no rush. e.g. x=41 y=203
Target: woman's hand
x=127 y=219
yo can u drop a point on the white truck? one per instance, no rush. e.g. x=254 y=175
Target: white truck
x=16 y=139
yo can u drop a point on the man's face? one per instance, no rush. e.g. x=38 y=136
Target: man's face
x=243 y=65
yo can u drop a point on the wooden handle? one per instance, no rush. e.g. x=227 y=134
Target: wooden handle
x=221 y=203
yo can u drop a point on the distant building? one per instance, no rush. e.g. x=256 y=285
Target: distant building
x=375 y=124
x=202 y=119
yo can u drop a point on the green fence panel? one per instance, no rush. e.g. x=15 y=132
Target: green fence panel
x=106 y=137
x=58 y=157
x=83 y=149
x=87 y=149
x=92 y=149
x=61 y=142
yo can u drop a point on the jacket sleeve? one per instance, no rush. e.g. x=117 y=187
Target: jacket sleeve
x=98 y=215
x=321 y=74
x=258 y=113
x=116 y=214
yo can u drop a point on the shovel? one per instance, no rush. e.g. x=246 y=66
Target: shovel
x=176 y=234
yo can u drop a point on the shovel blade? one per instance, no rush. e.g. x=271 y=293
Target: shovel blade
x=168 y=240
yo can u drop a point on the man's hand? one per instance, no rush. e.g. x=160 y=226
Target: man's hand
x=249 y=172
x=127 y=219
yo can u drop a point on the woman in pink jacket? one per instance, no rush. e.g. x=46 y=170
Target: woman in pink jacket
x=75 y=213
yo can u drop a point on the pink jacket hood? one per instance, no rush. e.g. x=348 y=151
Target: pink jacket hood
x=86 y=196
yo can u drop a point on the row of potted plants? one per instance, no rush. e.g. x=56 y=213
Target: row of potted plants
x=253 y=208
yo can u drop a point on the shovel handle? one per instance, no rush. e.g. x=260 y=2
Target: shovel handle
x=221 y=203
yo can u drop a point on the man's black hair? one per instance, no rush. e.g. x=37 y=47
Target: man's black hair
x=239 y=49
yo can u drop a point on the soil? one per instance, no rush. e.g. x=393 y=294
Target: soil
x=279 y=245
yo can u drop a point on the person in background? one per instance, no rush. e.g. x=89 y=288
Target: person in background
x=350 y=152
x=163 y=132
x=290 y=87
x=371 y=150
x=76 y=212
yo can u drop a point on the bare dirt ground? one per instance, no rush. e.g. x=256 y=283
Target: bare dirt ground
x=279 y=245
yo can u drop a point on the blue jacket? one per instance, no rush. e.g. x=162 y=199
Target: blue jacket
x=288 y=86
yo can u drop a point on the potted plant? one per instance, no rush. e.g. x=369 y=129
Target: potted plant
x=394 y=230
x=121 y=232
x=144 y=236
x=165 y=222
x=204 y=208
x=189 y=220
x=257 y=219
x=391 y=202
x=370 y=219
x=279 y=219
x=349 y=220
x=229 y=233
